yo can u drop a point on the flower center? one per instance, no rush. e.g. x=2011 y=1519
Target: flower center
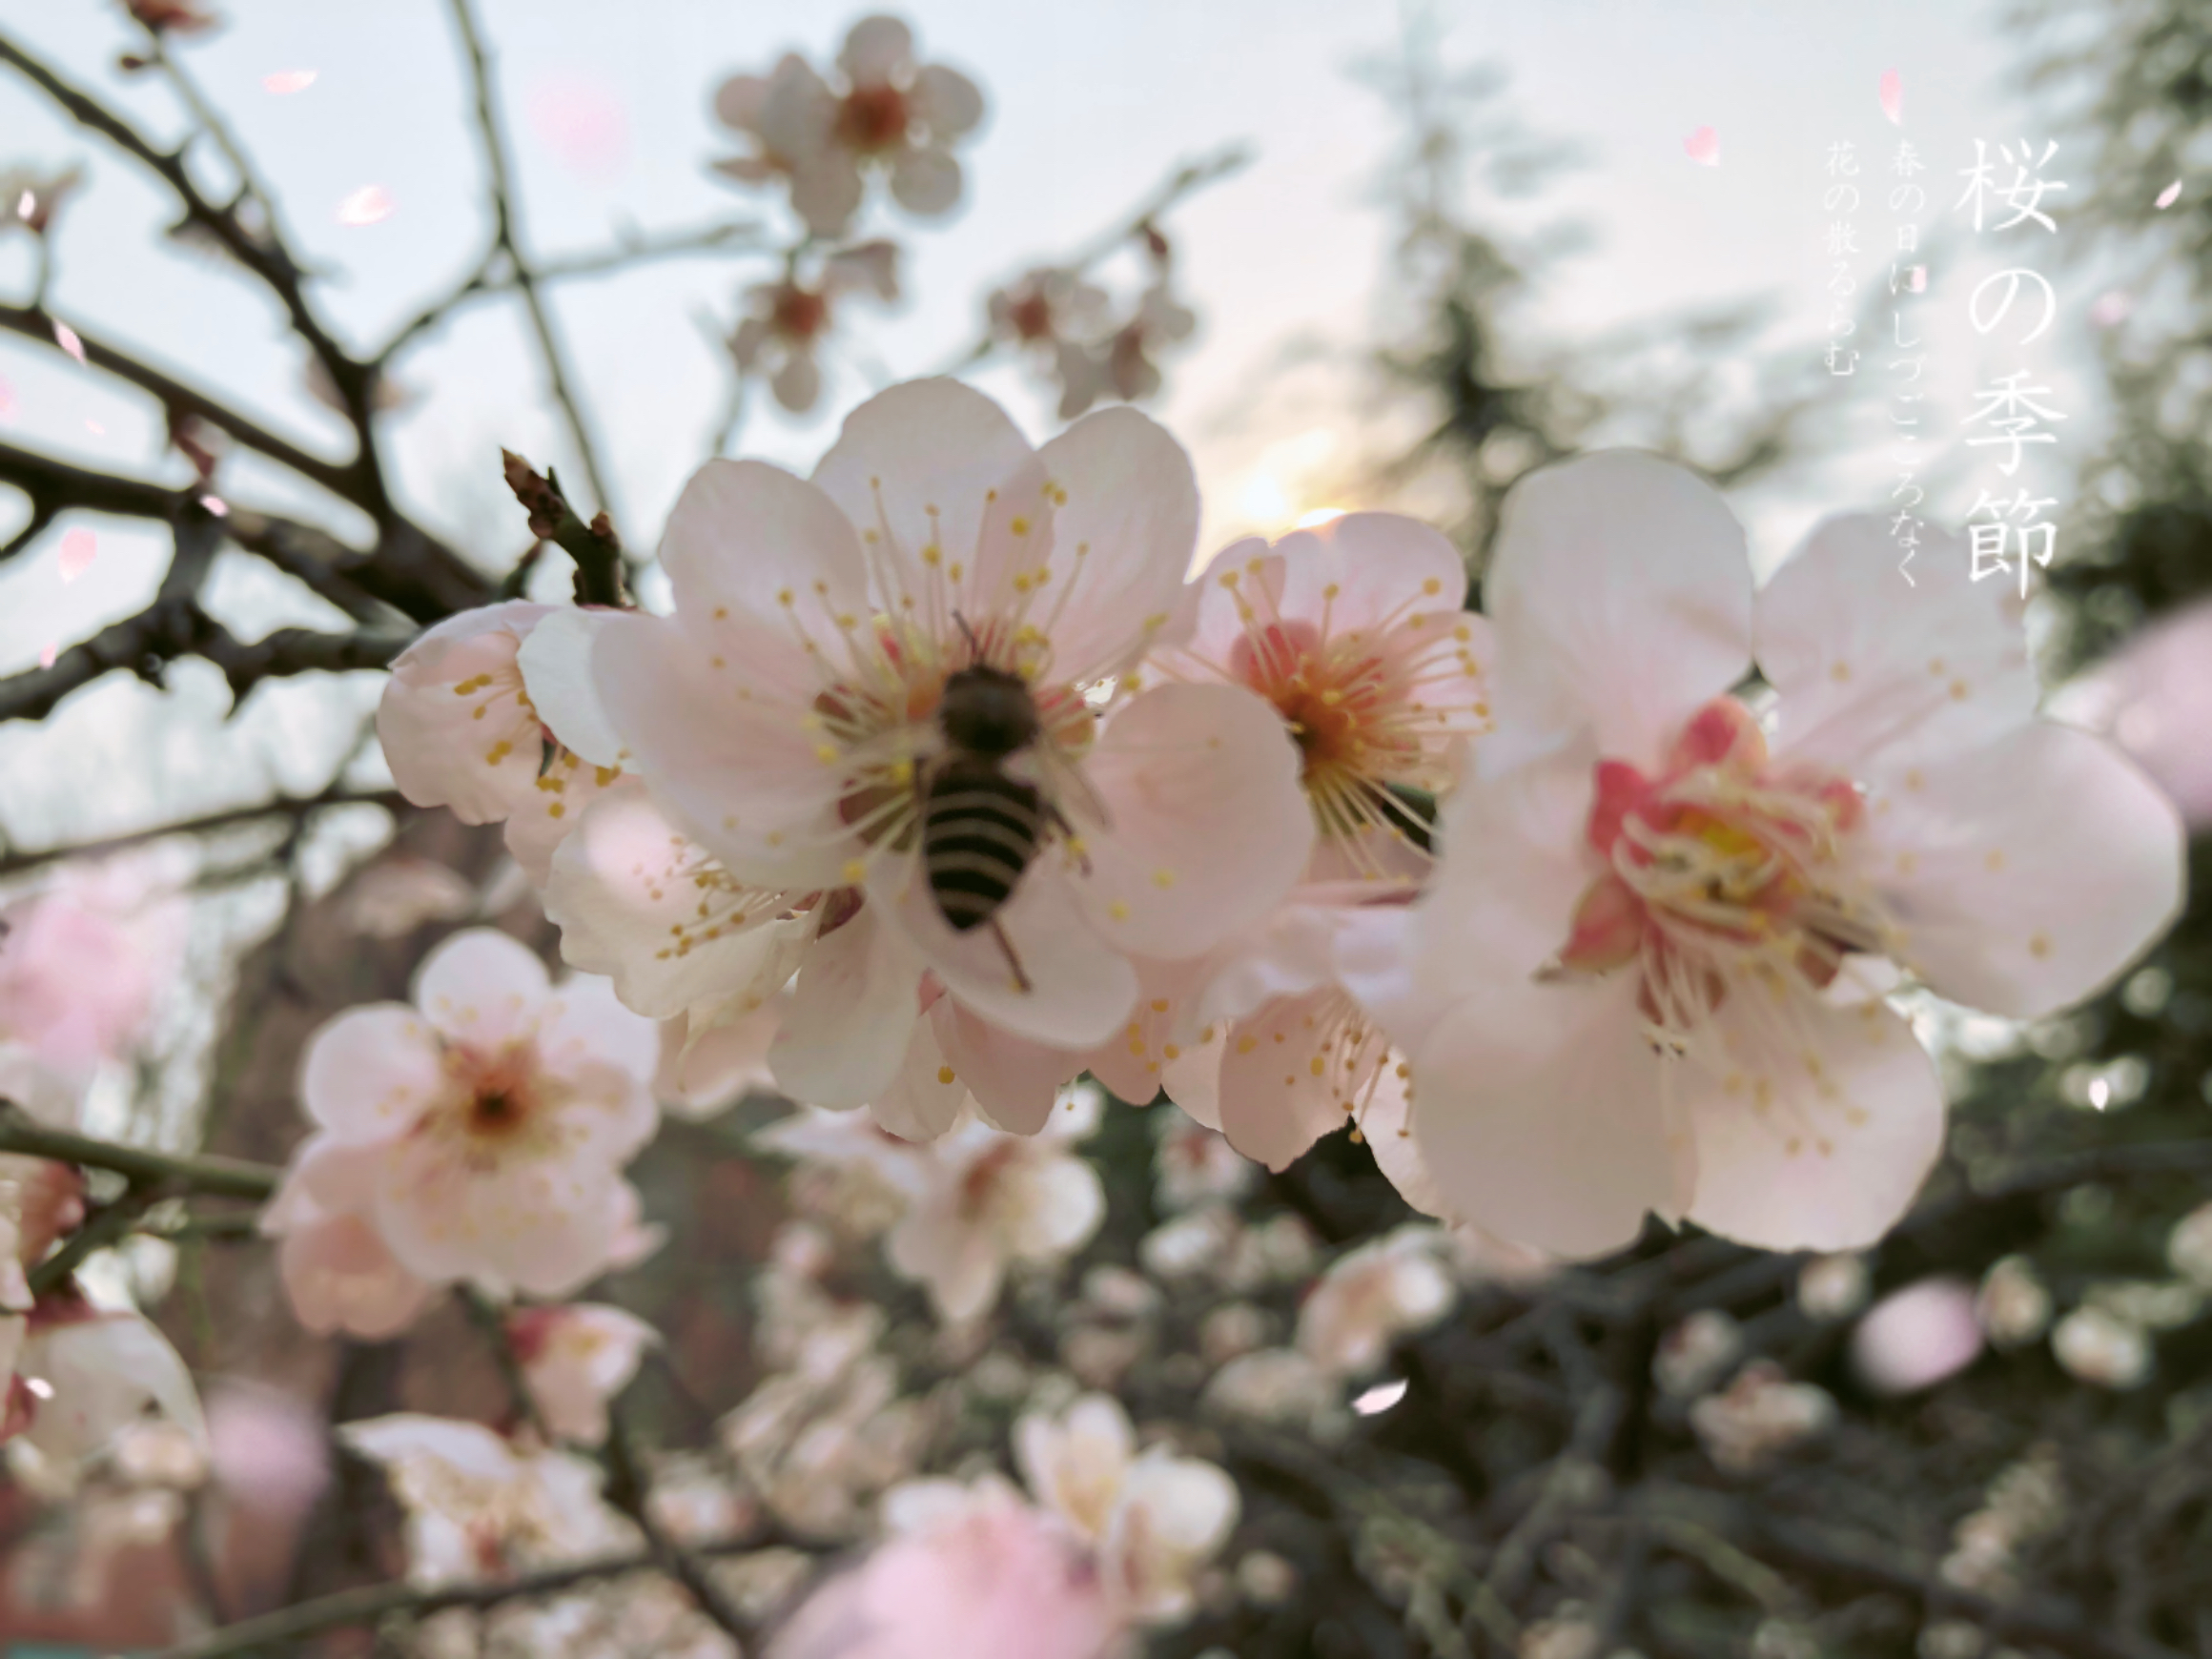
x=1361 y=703
x=873 y=118
x=1720 y=871
x=497 y=1102
x=798 y=314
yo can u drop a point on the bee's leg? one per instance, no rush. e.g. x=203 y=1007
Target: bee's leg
x=1059 y=822
x=1020 y=979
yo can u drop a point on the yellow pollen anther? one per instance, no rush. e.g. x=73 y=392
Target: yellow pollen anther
x=1163 y=877
x=944 y=1073
x=1019 y=526
x=1247 y=1043
x=855 y=872
x=1432 y=587
x=1118 y=909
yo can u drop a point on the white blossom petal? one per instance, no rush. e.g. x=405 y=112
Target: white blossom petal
x=2028 y=873
x=1872 y=670
x=1621 y=596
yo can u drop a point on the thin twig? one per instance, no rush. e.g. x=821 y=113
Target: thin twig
x=505 y=232
x=194 y=1173
x=490 y=277
x=291 y=807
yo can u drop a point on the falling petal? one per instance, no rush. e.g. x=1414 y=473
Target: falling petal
x=25 y=205
x=216 y=505
x=78 y=549
x=1891 y=92
x=2112 y=307
x=285 y=82
x=1919 y=279
x=2169 y=195
x=370 y=205
x=46 y=655
x=94 y=427
x=1702 y=146
x=1379 y=1398
x=6 y=401
x=583 y=123
x=65 y=338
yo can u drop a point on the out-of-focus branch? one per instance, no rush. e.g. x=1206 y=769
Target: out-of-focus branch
x=506 y=237
x=291 y=808
x=494 y=274
x=38 y=324
x=226 y=1177
x=626 y=1489
x=372 y=1605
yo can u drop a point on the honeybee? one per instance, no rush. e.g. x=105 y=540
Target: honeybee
x=982 y=827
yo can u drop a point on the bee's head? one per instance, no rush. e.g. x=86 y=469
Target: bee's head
x=988 y=711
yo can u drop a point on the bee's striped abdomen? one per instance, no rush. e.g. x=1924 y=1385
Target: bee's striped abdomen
x=980 y=832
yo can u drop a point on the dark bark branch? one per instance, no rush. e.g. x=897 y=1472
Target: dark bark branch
x=341 y=478
x=230 y=818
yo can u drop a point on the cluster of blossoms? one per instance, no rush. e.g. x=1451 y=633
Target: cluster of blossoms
x=1633 y=959
x=1093 y=347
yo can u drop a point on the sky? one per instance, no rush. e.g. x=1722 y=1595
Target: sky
x=1090 y=103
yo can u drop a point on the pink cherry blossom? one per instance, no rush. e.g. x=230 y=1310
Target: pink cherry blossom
x=80 y=964
x=91 y=1374
x=1915 y=1336
x=981 y=1201
x=1616 y=990
x=968 y=1570
x=2160 y=687
x=1152 y=1521
x=1354 y=633
x=1045 y=308
x=496 y=1115
x=788 y=320
x=784 y=717
x=462 y=725
x=479 y=1507
x=890 y=113
x=1372 y=1295
x=576 y=1358
x=337 y=1272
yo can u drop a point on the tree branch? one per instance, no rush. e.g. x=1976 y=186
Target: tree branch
x=490 y=278
x=294 y=807
x=226 y=1177
x=340 y=479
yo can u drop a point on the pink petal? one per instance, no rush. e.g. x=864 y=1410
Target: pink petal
x=738 y=774
x=1789 y=1157
x=370 y=205
x=1013 y=1079
x=482 y=986
x=1702 y=146
x=1890 y=91
x=7 y=401
x=1273 y=1105
x=850 y=1016
x=1537 y=1112
x=1078 y=991
x=1620 y=593
x=439 y=752
x=623 y=892
x=47 y=653
x=283 y=83
x=925 y=1100
x=2029 y=873
x=587 y=1028
x=877 y=50
x=1917 y=1337
x=78 y=549
x=1173 y=766
x=2169 y=195
x=1128 y=498
x=65 y=338
x=369 y=1073
x=922 y=464
x=1876 y=673
x=581 y=121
